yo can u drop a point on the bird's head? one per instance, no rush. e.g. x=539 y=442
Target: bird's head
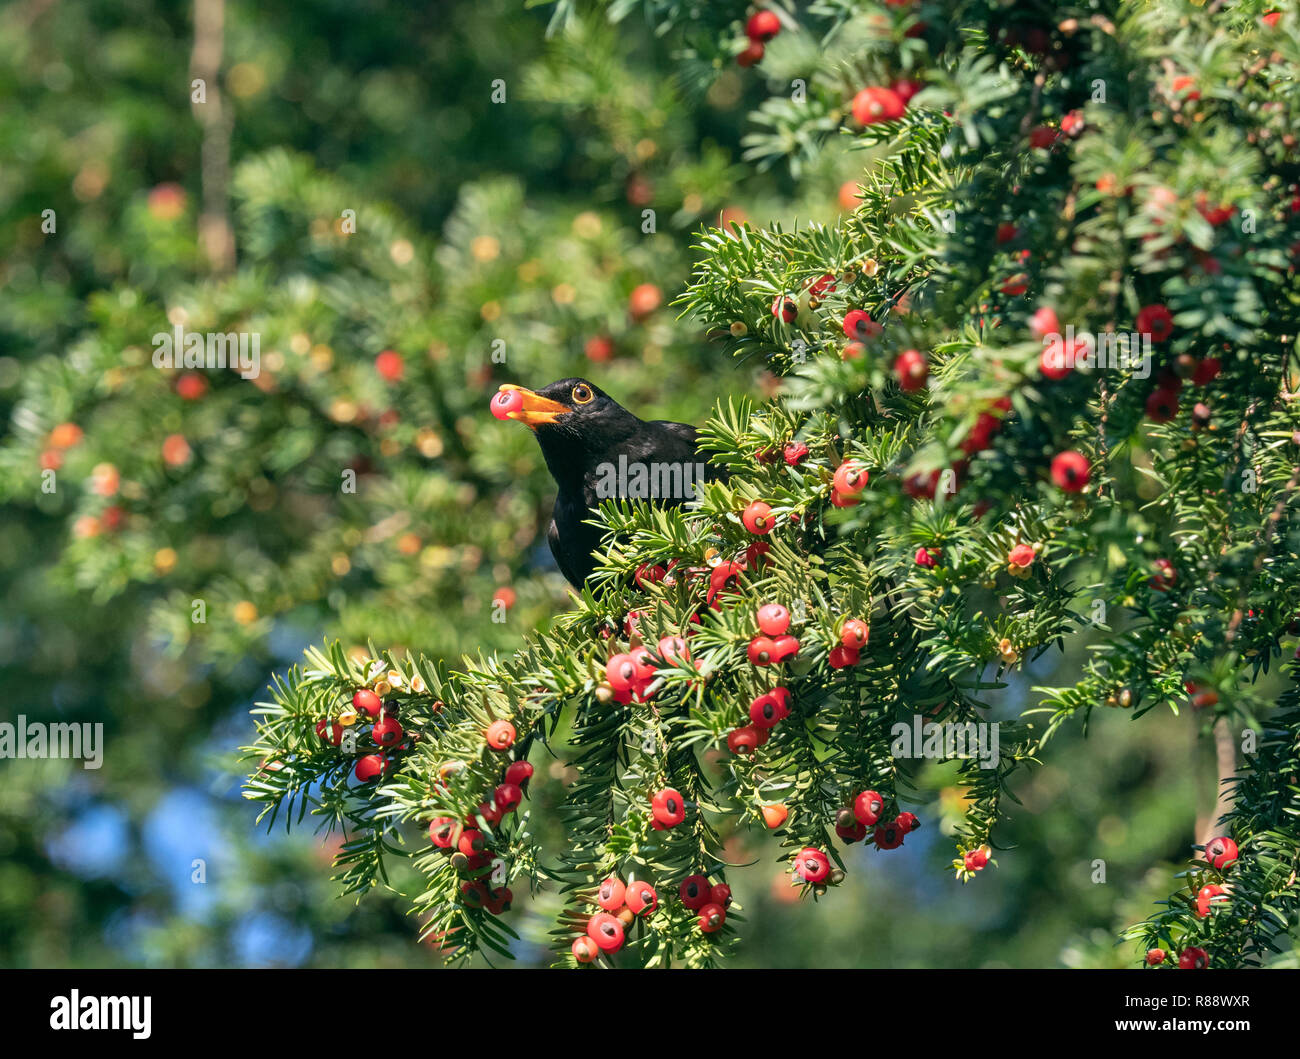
x=574 y=420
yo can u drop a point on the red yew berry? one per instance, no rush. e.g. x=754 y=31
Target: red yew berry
x=1165 y=576
x=647 y=574
x=784 y=647
x=1156 y=321
x=1194 y=959
x=1162 y=406
x=1206 y=898
x=794 y=453
x=758 y=518
x=743 y=740
x=442 y=830
x=370 y=767
x=621 y=672
x=500 y=735
x=611 y=894
x=925 y=558
x=907 y=822
x=859 y=326
x=644 y=300
x=849 y=829
x=851 y=478
x=762 y=650
x=877 y=104
x=773 y=619
x=905 y=88
x=674 y=650
x=769 y=710
x=507 y=797
x=1221 y=853
x=473 y=893
x=191 y=386
x=711 y=918
x=606 y=931
x=841 y=657
x=752 y=54
x=506 y=402
x=599 y=348
x=1022 y=556
x=812 y=865
x=695 y=891
x=1006 y=231
x=1042 y=137
x=762 y=26
x=334 y=734
x=472 y=841
x=855 y=634
x=720 y=894
x=1044 y=322
x=366 y=701
x=1073 y=123
x=1155 y=957
x=975 y=860
x=668 y=807
x=386 y=732
x=1056 y=362
x=774 y=815
x=911 y=369
x=1207 y=370
x=518 y=773
x=585 y=950
x=1071 y=471
x=785 y=308
x=642 y=899
x=498 y=900
x=1016 y=285
x=889 y=836
x=389 y=365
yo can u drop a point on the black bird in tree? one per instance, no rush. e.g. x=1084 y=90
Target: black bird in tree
x=596 y=450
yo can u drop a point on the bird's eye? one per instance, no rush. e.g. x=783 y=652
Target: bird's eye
x=582 y=394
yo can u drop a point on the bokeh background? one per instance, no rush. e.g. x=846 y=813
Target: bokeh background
x=494 y=241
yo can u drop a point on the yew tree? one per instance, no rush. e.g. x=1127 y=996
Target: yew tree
x=1037 y=388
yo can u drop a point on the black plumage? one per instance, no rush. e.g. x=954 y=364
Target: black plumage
x=591 y=444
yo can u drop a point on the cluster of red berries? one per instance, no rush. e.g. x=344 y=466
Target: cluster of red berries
x=761 y=27
x=1165 y=576
x=709 y=900
x=469 y=846
x=385 y=731
x=774 y=643
x=852 y=822
x=879 y=103
x=1221 y=854
x=765 y=713
x=621 y=905
x=1190 y=959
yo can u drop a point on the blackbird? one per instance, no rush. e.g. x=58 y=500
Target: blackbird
x=597 y=450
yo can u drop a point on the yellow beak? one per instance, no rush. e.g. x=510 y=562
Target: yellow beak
x=537 y=410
